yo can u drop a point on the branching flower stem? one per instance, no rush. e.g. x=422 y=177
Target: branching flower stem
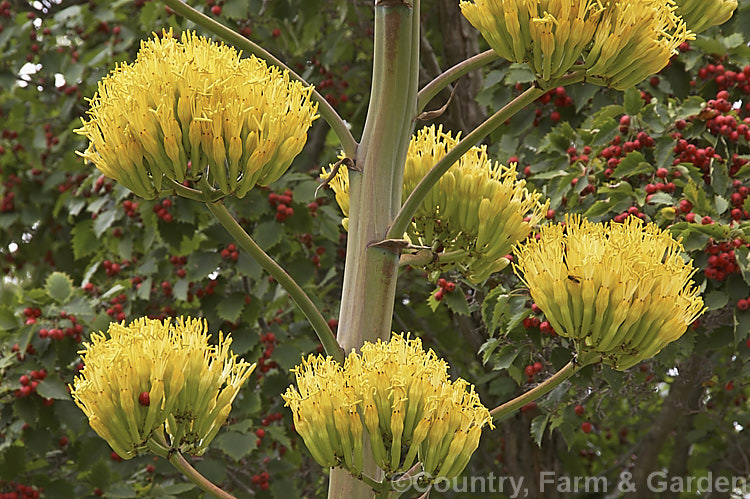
x=324 y=107
x=159 y=446
x=452 y=74
x=303 y=301
x=409 y=208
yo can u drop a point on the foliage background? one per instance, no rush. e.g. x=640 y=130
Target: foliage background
x=74 y=244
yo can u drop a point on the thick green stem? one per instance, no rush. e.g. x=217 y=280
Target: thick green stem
x=375 y=186
x=324 y=107
x=501 y=412
x=159 y=446
x=319 y=324
x=490 y=124
x=450 y=75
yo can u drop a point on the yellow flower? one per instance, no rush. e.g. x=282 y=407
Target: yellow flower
x=151 y=372
x=192 y=109
x=634 y=39
x=478 y=208
x=700 y=15
x=549 y=35
x=631 y=38
x=404 y=398
x=620 y=291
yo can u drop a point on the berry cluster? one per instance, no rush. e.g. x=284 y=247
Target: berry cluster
x=29 y=382
x=112 y=268
x=59 y=330
x=559 y=99
x=178 y=262
x=531 y=322
x=230 y=252
x=208 y=290
x=532 y=370
x=130 y=207
x=445 y=287
x=724 y=120
x=282 y=203
x=336 y=86
x=722 y=262
x=31 y=314
x=22 y=356
x=116 y=310
x=15 y=490
x=261 y=480
x=633 y=210
x=162 y=210
x=264 y=363
x=6 y=201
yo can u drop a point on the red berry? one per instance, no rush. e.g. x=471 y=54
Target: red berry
x=216 y=10
x=579 y=410
x=450 y=287
x=260 y=433
x=586 y=427
x=144 y=399
x=529 y=370
x=743 y=304
x=276 y=33
x=150 y=468
x=63 y=441
x=538 y=367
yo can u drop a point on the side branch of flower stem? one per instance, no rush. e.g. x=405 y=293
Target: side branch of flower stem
x=324 y=107
x=500 y=412
x=452 y=74
x=409 y=208
x=319 y=324
x=159 y=446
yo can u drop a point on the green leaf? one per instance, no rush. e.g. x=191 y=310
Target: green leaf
x=104 y=221
x=494 y=306
x=632 y=101
x=59 y=286
x=268 y=235
x=741 y=255
x=230 y=307
x=53 y=388
x=538 y=425
x=456 y=301
x=598 y=209
x=84 y=239
x=720 y=180
x=505 y=357
x=716 y=299
x=8 y=319
x=235 y=445
x=632 y=164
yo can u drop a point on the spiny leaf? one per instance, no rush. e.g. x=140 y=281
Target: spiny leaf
x=59 y=286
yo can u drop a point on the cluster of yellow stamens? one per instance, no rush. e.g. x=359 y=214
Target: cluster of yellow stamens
x=618 y=41
x=193 y=109
x=397 y=396
x=619 y=290
x=700 y=15
x=153 y=375
x=477 y=210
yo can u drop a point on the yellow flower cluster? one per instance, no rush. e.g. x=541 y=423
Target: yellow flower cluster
x=397 y=396
x=700 y=15
x=137 y=378
x=478 y=208
x=631 y=38
x=619 y=290
x=193 y=109
x=635 y=38
x=547 y=34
